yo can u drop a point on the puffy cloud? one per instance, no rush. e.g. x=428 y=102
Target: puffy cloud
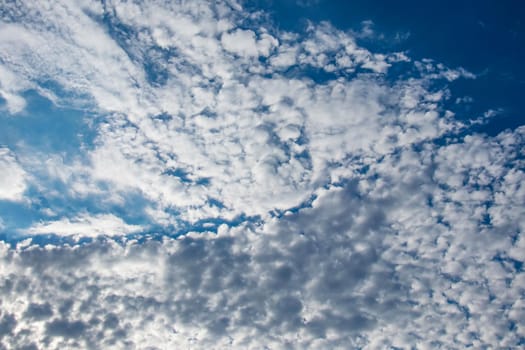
x=368 y=263
x=245 y=43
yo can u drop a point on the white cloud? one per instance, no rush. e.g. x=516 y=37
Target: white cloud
x=13 y=179
x=10 y=87
x=244 y=43
x=85 y=226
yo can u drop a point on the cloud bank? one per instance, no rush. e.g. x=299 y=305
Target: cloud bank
x=327 y=196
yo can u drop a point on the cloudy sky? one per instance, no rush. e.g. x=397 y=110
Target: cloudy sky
x=232 y=174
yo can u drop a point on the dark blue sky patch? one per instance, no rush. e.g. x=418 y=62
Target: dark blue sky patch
x=506 y=262
x=179 y=173
x=485 y=37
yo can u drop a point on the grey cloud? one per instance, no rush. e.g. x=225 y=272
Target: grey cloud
x=334 y=273
x=346 y=270
x=269 y=284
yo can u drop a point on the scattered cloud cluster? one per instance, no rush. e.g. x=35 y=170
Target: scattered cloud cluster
x=207 y=113
x=330 y=202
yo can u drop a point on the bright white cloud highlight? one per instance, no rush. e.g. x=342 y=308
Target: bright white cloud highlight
x=85 y=226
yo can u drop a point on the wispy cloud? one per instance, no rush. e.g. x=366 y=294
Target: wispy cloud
x=85 y=226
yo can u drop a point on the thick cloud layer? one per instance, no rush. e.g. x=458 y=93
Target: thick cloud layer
x=416 y=259
x=329 y=201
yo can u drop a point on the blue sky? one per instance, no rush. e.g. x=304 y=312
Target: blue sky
x=280 y=174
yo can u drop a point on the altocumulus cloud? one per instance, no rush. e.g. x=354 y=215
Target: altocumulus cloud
x=242 y=186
